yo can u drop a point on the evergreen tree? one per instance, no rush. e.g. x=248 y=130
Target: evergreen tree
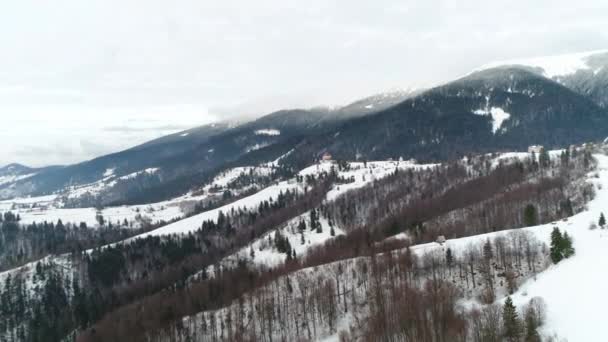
x=567 y=248
x=449 y=257
x=556 y=245
x=487 y=250
x=543 y=158
x=602 y=221
x=531 y=327
x=530 y=216
x=511 y=322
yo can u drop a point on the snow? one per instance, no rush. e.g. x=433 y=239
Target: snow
x=498 y=116
x=109 y=173
x=268 y=131
x=267 y=255
x=509 y=157
x=573 y=289
x=275 y=163
x=230 y=175
x=14 y=178
x=195 y=222
x=256 y=147
x=552 y=66
x=375 y=170
x=184 y=134
x=149 y=171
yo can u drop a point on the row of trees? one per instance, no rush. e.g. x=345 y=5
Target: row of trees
x=20 y=244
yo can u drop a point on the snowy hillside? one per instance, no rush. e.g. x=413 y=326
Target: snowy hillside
x=357 y=173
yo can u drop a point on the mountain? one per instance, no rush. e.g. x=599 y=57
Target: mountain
x=552 y=101
x=585 y=73
x=186 y=159
x=374 y=103
x=504 y=108
x=148 y=155
x=14 y=170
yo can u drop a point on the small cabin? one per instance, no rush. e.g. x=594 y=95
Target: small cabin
x=326 y=157
x=441 y=239
x=537 y=149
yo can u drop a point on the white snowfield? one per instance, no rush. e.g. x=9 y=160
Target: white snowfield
x=498 y=116
x=268 y=131
x=553 y=66
x=511 y=157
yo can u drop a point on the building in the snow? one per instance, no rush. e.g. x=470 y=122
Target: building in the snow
x=326 y=157
x=535 y=149
x=441 y=239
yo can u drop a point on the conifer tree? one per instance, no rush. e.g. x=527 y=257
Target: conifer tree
x=449 y=257
x=556 y=245
x=567 y=248
x=530 y=216
x=511 y=322
x=602 y=221
x=487 y=250
x=532 y=324
x=543 y=158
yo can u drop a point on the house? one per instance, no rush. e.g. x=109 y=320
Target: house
x=441 y=239
x=537 y=149
x=326 y=157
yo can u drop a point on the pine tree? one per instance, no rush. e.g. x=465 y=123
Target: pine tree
x=488 y=254
x=567 y=248
x=530 y=216
x=602 y=221
x=556 y=245
x=531 y=326
x=511 y=322
x=449 y=257
x=543 y=158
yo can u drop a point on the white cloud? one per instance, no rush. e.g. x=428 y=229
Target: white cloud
x=94 y=64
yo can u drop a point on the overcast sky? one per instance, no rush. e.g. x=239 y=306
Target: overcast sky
x=83 y=78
